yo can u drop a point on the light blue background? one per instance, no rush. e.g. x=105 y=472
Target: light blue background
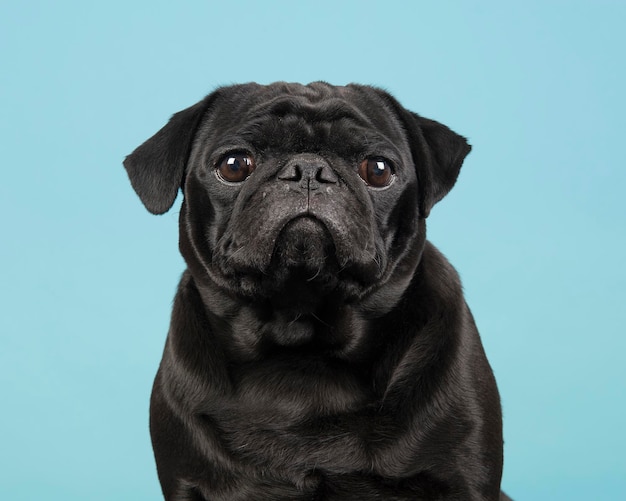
x=535 y=226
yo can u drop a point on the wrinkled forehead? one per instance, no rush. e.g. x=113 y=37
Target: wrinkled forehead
x=301 y=118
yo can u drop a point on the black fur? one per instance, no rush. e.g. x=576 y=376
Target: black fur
x=320 y=347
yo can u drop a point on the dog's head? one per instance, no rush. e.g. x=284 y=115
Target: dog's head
x=297 y=194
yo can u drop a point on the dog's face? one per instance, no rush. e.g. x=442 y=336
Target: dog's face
x=299 y=196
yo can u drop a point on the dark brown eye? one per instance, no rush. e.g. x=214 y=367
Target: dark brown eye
x=376 y=172
x=236 y=167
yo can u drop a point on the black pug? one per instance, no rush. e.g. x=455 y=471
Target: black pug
x=320 y=347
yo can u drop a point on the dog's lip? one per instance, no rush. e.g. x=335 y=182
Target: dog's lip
x=306 y=244
x=306 y=223
x=241 y=253
x=320 y=230
x=334 y=264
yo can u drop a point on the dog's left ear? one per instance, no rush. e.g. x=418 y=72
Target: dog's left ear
x=437 y=152
x=441 y=161
x=157 y=167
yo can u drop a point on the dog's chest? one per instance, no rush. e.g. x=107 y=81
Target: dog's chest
x=308 y=415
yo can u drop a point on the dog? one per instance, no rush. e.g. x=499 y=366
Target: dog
x=320 y=347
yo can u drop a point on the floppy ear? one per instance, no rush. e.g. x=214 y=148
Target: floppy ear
x=437 y=152
x=446 y=151
x=157 y=167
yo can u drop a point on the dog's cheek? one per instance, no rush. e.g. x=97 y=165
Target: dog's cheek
x=201 y=224
x=396 y=211
x=403 y=220
x=403 y=236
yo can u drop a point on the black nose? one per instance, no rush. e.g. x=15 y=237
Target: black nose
x=309 y=171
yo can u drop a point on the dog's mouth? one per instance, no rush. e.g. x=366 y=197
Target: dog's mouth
x=304 y=265
x=304 y=246
x=309 y=262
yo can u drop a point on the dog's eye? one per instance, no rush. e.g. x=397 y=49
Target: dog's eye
x=376 y=172
x=236 y=167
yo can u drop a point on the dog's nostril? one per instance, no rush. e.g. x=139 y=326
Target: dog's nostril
x=304 y=171
x=326 y=175
x=291 y=173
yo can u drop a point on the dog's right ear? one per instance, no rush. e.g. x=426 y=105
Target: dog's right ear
x=157 y=167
